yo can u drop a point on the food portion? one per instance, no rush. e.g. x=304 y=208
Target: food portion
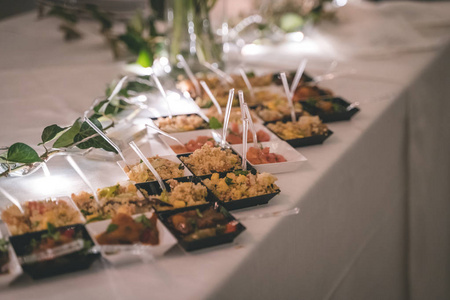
x=209 y=159
x=234 y=135
x=195 y=225
x=257 y=156
x=37 y=214
x=166 y=168
x=306 y=126
x=124 y=230
x=182 y=194
x=181 y=123
x=277 y=110
x=4 y=256
x=235 y=115
x=193 y=145
x=240 y=185
x=55 y=237
x=119 y=198
x=328 y=106
x=305 y=92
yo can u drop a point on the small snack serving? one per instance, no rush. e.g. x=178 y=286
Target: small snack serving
x=278 y=110
x=55 y=251
x=306 y=127
x=179 y=194
x=209 y=159
x=330 y=109
x=181 y=123
x=166 y=168
x=243 y=188
x=119 y=198
x=305 y=92
x=257 y=156
x=37 y=214
x=205 y=226
x=193 y=145
x=124 y=230
x=235 y=135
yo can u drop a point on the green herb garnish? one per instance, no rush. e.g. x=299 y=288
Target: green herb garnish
x=98 y=218
x=144 y=220
x=199 y=214
x=214 y=123
x=4 y=245
x=228 y=180
x=52 y=232
x=241 y=172
x=111 y=227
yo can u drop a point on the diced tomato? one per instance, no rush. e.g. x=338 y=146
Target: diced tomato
x=230 y=228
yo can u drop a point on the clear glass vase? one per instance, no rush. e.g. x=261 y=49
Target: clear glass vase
x=190 y=33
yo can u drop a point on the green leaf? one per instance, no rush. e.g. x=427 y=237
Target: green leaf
x=103 y=17
x=144 y=220
x=138 y=87
x=67 y=138
x=145 y=59
x=111 y=227
x=22 y=153
x=241 y=172
x=214 y=123
x=133 y=42
x=50 y=132
x=96 y=142
x=228 y=180
x=51 y=228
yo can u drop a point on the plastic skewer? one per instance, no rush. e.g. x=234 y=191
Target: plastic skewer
x=227 y=117
x=288 y=95
x=252 y=125
x=219 y=72
x=244 y=143
x=211 y=96
x=298 y=75
x=162 y=91
x=12 y=199
x=148 y=164
x=165 y=134
x=247 y=82
x=106 y=139
x=80 y=173
x=189 y=73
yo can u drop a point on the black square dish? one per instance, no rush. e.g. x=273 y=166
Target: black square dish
x=153 y=189
x=244 y=202
x=75 y=261
x=216 y=235
x=339 y=113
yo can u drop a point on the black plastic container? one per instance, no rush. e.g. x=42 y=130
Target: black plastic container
x=306 y=141
x=204 y=242
x=249 y=166
x=245 y=202
x=343 y=115
x=205 y=125
x=153 y=189
x=71 y=262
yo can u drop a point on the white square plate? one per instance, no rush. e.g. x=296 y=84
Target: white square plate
x=293 y=158
x=166 y=241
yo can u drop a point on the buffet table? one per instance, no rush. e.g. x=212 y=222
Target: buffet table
x=373 y=199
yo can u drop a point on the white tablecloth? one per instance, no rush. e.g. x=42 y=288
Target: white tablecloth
x=374 y=198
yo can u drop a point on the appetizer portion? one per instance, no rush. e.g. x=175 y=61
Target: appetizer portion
x=182 y=194
x=305 y=92
x=4 y=256
x=241 y=184
x=235 y=135
x=196 y=224
x=124 y=230
x=277 y=110
x=257 y=156
x=327 y=106
x=54 y=251
x=166 y=168
x=306 y=126
x=181 y=123
x=207 y=160
x=37 y=214
x=119 y=198
x=192 y=145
